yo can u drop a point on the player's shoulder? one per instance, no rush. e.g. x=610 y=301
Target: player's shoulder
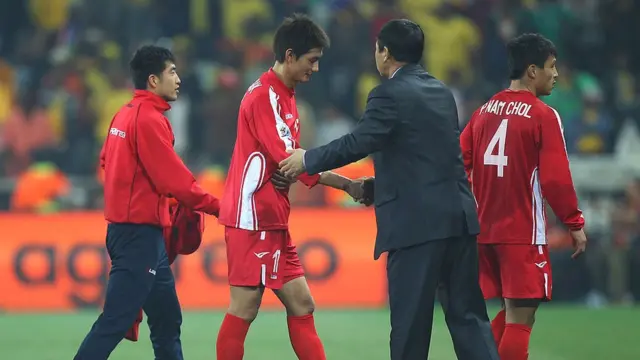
x=547 y=114
x=146 y=114
x=547 y=110
x=260 y=91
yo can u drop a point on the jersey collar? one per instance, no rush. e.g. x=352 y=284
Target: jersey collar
x=525 y=92
x=281 y=87
x=147 y=96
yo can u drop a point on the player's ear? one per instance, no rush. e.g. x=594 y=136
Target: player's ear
x=289 y=56
x=531 y=71
x=153 y=80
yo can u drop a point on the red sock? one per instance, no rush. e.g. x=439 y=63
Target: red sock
x=230 y=344
x=515 y=342
x=304 y=338
x=497 y=326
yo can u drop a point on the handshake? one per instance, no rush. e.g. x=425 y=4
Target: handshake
x=361 y=190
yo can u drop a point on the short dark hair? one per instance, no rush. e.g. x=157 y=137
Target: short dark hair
x=300 y=34
x=148 y=60
x=404 y=39
x=528 y=49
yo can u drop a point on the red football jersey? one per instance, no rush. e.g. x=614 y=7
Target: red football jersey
x=516 y=158
x=268 y=126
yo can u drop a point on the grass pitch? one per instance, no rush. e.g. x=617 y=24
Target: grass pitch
x=561 y=333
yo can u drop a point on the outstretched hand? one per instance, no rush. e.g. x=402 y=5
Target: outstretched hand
x=368 y=183
x=361 y=190
x=355 y=190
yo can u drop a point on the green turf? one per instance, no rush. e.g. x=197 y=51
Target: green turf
x=561 y=333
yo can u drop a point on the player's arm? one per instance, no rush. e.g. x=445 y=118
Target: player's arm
x=326 y=178
x=103 y=153
x=335 y=181
x=466 y=145
x=370 y=135
x=273 y=133
x=165 y=169
x=555 y=174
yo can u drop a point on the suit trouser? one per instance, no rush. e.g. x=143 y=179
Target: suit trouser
x=414 y=274
x=140 y=277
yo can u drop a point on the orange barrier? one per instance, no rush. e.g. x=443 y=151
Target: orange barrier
x=58 y=262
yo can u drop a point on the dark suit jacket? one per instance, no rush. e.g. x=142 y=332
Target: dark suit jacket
x=410 y=125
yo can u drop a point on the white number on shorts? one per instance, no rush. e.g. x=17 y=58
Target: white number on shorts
x=500 y=160
x=276 y=260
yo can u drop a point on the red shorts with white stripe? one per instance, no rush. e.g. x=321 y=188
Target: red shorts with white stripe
x=515 y=271
x=261 y=258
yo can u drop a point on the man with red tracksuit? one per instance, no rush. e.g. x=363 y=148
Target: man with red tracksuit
x=142 y=171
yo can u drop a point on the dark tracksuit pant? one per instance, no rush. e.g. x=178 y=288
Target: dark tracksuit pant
x=140 y=277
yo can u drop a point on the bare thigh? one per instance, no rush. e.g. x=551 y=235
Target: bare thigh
x=296 y=297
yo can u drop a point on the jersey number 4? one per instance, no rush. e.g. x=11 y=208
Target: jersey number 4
x=500 y=159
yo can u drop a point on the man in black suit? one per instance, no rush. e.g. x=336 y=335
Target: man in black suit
x=425 y=211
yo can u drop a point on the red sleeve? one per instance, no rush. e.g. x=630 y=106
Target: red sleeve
x=104 y=145
x=273 y=133
x=466 y=145
x=555 y=175
x=102 y=153
x=166 y=170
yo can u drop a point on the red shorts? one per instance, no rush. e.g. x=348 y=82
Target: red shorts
x=261 y=258
x=515 y=271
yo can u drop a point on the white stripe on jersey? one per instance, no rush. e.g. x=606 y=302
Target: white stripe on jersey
x=252 y=178
x=281 y=127
x=562 y=133
x=561 y=129
x=539 y=231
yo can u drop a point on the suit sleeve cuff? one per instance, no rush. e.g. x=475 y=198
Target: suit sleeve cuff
x=306 y=163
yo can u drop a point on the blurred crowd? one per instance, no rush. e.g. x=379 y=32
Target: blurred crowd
x=63 y=74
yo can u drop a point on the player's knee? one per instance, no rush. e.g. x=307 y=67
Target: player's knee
x=245 y=302
x=296 y=297
x=521 y=311
x=307 y=304
x=243 y=313
x=247 y=311
x=302 y=305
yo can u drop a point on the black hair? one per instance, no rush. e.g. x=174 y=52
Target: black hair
x=300 y=34
x=404 y=39
x=149 y=60
x=526 y=50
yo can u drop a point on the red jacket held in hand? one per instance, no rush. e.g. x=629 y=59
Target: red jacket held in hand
x=182 y=237
x=141 y=168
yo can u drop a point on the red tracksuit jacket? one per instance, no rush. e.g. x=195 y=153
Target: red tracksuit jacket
x=141 y=168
